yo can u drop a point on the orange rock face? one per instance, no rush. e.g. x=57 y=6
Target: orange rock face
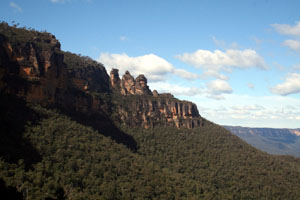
x=151 y=109
x=115 y=79
x=46 y=75
x=128 y=85
x=40 y=75
x=41 y=70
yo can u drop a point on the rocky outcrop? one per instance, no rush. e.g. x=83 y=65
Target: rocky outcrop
x=161 y=111
x=147 y=109
x=91 y=78
x=128 y=85
x=141 y=86
x=115 y=79
x=38 y=71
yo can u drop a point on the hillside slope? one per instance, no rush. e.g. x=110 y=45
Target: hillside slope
x=68 y=133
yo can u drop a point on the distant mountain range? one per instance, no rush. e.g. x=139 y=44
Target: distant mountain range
x=270 y=140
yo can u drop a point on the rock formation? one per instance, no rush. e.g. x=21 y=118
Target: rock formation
x=38 y=71
x=141 y=86
x=115 y=79
x=41 y=70
x=161 y=111
x=128 y=85
x=148 y=109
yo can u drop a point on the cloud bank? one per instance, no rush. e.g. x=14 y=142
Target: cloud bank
x=214 y=62
x=253 y=111
x=217 y=87
x=291 y=85
x=292 y=44
x=163 y=87
x=287 y=29
x=152 y=66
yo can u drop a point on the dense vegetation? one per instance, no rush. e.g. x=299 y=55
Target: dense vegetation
x=76 y=162
x=79 y=62
x=23 y=35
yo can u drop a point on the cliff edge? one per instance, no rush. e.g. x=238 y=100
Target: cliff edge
x=33 y=67
x=139 y=106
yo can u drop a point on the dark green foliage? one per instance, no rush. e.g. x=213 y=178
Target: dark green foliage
x=84 y=165
x=79 y=62
x=18 y=36
x=220 y=163
x=210 y=163
x=84 y=68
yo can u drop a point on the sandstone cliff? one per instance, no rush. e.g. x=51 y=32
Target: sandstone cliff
x=31 y=71
x=33 y=67
x=128 y=85
x=147 y=109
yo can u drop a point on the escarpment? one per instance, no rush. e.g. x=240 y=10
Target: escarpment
x=37 y=70
x=128 y=85
x=138 y=106
x=30 y=70
x=33 y=67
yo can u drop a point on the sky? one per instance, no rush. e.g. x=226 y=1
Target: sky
x=239 y=61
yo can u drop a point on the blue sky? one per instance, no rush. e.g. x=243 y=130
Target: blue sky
x=239 y=61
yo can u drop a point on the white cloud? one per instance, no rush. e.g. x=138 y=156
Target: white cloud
x=174 y=89
x=253 y=111
x=292 y=44
x=214 y=89
x=231 y=57
x=152 y=66
x=287 y=29
x=290 y=86
x=217 y=87
x=123 y=38
x=214 y=62
x=185 y=74
x=15 y=6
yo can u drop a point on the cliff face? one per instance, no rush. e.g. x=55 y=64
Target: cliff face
x=151 y=112
x=39 y=72
x=138 y=106
x=128 y=85
x=30 y=71
x=33 y=67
